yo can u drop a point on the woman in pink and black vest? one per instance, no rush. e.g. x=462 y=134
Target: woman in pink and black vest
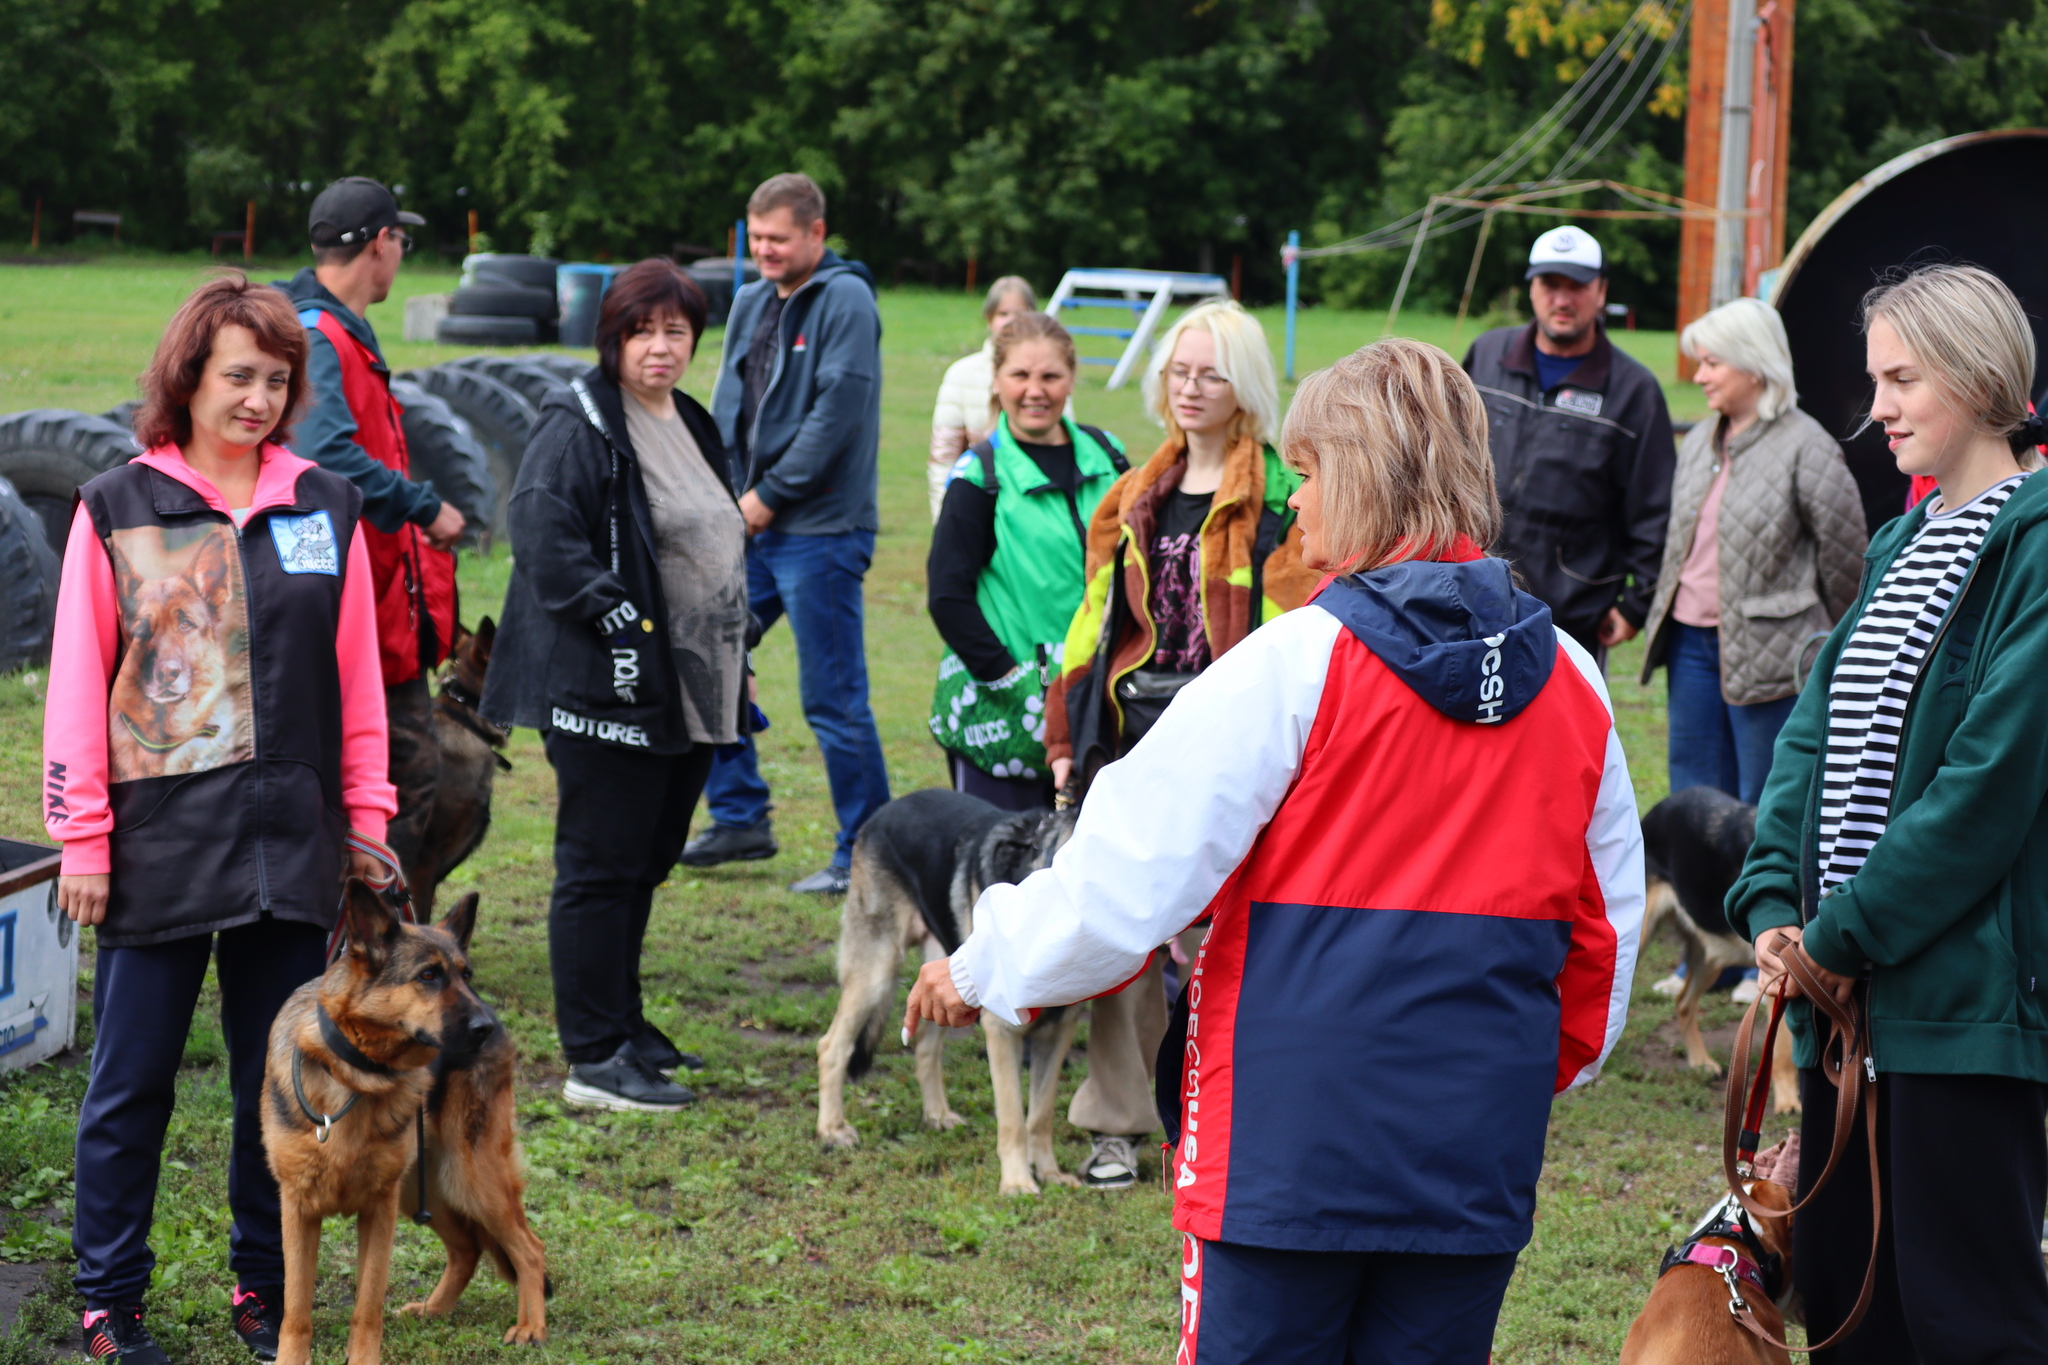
x=1421 y=853
x=215 y=729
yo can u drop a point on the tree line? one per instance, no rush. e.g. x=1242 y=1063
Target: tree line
x=1021 y=135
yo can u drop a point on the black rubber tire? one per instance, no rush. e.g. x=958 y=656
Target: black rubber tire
x=499 y=417
x=122 y=415
x=564 y=366
x=46 y=453
x=528 y=272
x=28 y=584
x=501 y=301
x=454 y=331
x=532 y=380
x=446 y=453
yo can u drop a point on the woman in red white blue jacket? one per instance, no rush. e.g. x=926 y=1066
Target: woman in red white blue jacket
x=1421 y=852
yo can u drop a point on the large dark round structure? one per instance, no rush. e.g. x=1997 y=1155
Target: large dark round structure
x=1979 y=199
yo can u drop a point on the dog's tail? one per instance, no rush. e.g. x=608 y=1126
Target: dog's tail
x=507 y=1272
x=867 y=1038
x=870 y=952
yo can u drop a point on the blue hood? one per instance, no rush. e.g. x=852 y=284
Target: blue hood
x=1463 y=637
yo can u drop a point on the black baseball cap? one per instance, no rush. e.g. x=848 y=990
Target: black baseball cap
x=354 y=209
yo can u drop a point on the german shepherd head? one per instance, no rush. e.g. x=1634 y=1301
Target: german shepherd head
x=401 y=992
x=174 y=697
x=469 y=656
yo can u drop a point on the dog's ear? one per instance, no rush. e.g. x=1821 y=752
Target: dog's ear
x=460 y=922
x=372 y=928
x=486 y=632
x=462 y=636
x=127 y=582
x=212 y=573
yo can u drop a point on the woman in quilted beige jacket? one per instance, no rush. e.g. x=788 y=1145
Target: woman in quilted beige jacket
x=1761 y=558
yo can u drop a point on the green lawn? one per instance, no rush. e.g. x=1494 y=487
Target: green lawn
x=724 y=1234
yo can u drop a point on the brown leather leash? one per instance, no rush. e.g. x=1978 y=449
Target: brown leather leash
x=1847 y=1062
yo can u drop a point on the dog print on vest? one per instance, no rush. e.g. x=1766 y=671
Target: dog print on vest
x=180 y=698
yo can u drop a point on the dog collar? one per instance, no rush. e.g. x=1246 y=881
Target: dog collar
x=323 y=1124
x=337 y=1042
x=1724 y=1259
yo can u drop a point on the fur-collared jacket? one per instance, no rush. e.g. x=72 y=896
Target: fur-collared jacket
x=1791 y=541
x=1251 y=572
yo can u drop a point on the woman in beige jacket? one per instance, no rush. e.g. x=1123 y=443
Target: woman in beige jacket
x=1762 y=556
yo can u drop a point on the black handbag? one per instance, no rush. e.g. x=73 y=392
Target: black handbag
x=1143 y=695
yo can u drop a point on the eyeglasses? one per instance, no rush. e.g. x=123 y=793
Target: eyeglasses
x=1178 y=377
x=404 y=241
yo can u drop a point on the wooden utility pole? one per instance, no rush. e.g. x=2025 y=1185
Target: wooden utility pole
x=1757 y=243
x=249 y=233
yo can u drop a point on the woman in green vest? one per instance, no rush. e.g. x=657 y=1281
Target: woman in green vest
x=1004 y=573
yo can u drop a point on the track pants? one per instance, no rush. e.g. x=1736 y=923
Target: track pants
x=142 y=1003
x=1964 y=1166
x=1244 y=1305
x=621 y=821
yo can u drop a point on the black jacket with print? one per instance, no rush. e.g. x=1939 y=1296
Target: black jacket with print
x=1584 y=471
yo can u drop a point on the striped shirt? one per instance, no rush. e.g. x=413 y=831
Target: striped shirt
x=1874 y=678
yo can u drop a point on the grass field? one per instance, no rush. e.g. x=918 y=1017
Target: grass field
x=725 y=1234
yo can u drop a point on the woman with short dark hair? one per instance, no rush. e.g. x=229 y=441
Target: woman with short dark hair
x=624 y=643
x=215 y=734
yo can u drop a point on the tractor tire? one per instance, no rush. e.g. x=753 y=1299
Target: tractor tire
x=507 y=268
x=532 y=381
x=499 y=417
x=28 y=584
x=445 y=452
x=123 y=414
x=561 y=364
x=455 y=331
x=502 y=301
x=46 y=453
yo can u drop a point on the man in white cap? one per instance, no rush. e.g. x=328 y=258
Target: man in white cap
x=1582 y=449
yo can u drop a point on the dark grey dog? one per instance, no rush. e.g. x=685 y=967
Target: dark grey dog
x=918 y=867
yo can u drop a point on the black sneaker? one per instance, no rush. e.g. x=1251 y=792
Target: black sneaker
x=654 y=1047
x=833 y=881
x=257 y=1314
x=624 y=1082
x=730 y=844
x=118 y=1334
x=1112 y=1163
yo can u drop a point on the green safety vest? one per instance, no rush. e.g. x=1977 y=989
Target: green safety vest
x=1028 y=593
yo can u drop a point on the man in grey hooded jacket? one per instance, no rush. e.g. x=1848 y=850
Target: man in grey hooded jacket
x=799 y=405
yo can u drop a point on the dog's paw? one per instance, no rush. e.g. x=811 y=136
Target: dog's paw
x=525 y=1336
x=1025 y=1186
x=1708 y=1065
x=1787 y=1104
x=418 y=1310
x=839 y=1139
x=1060 y=1178
x=942 y=1122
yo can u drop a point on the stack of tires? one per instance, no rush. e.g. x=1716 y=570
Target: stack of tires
x=713 y=275
x=45 y=454
x=502 y=300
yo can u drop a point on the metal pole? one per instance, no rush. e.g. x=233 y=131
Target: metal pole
x=1408 y=270
x=1732 y=196
x=739 y=257
x=1472 y=278
x=1291 y=258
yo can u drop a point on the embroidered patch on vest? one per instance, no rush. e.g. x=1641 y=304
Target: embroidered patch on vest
x=1578 y=400
x=306 y=544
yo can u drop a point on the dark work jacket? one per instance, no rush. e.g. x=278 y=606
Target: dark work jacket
x=583 y=647
x=1584 y=472
x=258 y=830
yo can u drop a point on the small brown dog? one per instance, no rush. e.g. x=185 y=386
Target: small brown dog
x=470 y=760
x=1687 y=1320
x=389 y=1052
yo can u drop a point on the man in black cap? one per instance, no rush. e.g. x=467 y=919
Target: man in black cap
x=1582 y=449
x=359 y=237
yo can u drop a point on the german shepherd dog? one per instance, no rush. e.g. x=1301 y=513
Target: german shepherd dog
x=182 y=688
x=1694 y=842
x=388 y=1053
x=470 y=759
x=918 y=867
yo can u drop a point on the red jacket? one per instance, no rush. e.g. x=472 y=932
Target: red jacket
x=414 y=582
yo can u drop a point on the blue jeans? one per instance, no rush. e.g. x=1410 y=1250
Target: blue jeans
x=816 y=582
x=1714 y=743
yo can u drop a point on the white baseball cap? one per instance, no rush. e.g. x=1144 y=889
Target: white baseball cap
x=1566 y=251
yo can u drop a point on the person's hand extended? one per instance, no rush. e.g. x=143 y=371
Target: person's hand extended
x=934 y=998
x=84 y=898
x=758 y=514
x=446 y=527
x=1615 y=629
x=1774 y=945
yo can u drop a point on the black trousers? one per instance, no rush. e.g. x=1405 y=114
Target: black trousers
x=142 y=1003
x=1964 y=1167
x=621 y=823
x=1021 y=794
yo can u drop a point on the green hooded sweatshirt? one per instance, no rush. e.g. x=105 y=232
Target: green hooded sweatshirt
x=1949 y=914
